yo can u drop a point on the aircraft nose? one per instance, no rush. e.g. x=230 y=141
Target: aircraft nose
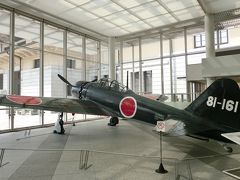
x=77 y=90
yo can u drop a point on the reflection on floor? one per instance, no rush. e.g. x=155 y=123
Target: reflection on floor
x=107 y=153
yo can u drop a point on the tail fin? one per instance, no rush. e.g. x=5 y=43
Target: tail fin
x=219 y=103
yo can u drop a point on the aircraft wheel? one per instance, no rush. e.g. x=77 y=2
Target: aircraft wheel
x=228 y=149
x=113 y=121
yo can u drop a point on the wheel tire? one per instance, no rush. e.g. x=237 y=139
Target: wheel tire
x=113 y=121
x=229 y=150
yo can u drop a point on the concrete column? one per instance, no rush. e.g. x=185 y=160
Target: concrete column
x=121 y=61
x=209 y=35
x=209 y=38
x=111 y=47
x=84 y=58
x=140 y=67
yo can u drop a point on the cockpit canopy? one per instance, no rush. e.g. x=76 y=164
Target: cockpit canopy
x=112 y=84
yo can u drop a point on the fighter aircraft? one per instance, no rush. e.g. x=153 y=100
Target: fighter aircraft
x=213 y=115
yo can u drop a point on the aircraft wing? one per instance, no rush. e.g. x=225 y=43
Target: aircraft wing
x=53 y=104
x=235 y=137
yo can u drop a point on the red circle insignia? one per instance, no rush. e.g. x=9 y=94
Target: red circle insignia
x=27 y=100
x=128 y=107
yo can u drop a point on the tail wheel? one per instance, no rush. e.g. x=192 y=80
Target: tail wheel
x=228 y=149
x=113 y=121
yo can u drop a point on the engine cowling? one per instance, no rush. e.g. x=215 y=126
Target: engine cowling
x=78 y=88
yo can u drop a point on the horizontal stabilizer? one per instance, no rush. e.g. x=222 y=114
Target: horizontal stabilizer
x=162 y=98
x=235 y=137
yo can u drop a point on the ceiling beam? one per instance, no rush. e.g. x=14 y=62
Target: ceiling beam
x=52 y=19
x=98 y=17
x=132 y=13
x=178 y=25
x=168 y=10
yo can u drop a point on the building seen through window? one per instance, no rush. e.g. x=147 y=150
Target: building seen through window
x=36 y=63
x=147 y=82
x=71 y=63
x=199 y=39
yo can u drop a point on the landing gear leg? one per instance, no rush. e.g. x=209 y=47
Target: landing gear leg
x=113 y=121
x=73 y=123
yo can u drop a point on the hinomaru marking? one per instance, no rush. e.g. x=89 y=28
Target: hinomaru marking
x=128 y=107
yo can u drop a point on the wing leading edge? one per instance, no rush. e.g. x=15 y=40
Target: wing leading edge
x=53 y=104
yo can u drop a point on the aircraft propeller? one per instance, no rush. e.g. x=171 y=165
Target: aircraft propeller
x=66 y=81
x=78 y=88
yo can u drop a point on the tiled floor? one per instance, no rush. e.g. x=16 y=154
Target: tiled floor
x=128 y=151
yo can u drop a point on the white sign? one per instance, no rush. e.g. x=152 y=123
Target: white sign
x=161 y=126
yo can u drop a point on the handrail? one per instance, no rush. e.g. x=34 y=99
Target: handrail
x=121 y=154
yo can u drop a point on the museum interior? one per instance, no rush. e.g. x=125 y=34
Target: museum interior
x=170 y=49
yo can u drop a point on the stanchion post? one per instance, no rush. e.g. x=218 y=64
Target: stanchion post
x=83 y=161
x=160 y=128
x=1 y=158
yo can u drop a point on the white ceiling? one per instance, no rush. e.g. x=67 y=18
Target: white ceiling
x=124 y=17
x=216 y=6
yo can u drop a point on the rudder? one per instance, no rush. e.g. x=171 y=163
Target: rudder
x=219 y=103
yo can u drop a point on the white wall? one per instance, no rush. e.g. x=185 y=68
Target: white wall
x=221 y=66
x=30 y=82
x=194 y=72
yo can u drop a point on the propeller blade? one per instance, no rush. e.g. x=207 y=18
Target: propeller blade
x=64 y=80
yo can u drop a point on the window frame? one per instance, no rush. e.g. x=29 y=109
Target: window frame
x=71 y=63
x=203 y=43
x=36 y=63
x=1 y=81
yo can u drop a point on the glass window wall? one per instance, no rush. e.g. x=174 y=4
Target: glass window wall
x=232 y=36
x=27 y=60
x=92 y=61
x=104 y=60
x=4 y=65
x=53 y=65
x=53 y=61
x=127 y=63
x=151 y=65
x=92 y=64
x=75 y=66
